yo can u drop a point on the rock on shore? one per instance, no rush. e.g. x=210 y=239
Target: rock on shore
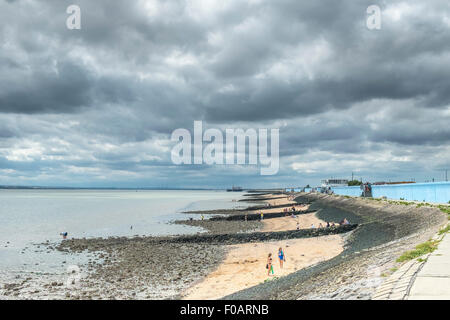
x=137 y=270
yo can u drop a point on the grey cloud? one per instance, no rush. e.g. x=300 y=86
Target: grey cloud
x=127 y=79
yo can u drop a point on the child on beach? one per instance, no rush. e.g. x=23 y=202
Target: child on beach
x=269 y=265
x=281 y=257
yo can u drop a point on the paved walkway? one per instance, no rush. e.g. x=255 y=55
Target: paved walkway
x=397 y=286
x=415 y=280
x=433 y=279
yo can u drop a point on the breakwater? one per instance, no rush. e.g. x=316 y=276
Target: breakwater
x=257 y=216
x=260 y=199
x=250 y=208
x=79 y=245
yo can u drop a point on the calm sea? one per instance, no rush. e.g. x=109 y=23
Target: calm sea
x=30 y=217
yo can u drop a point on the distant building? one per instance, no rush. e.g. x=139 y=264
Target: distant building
x=334 y=183
x=235 y=189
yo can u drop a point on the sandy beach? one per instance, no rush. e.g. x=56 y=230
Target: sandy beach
x=244 y=264
x=288 y=223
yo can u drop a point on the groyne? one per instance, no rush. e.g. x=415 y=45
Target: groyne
x=79 y=245
x=257 y=216
x=250 y=208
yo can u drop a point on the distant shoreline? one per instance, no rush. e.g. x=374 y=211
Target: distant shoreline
x=250 y=190
x=102 y=188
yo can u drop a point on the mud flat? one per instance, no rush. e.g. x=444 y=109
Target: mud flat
x=386 y=230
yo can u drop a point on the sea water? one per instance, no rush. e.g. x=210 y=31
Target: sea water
x=29 y=218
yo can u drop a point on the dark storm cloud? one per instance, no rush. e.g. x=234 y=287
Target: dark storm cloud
x=61 y=91
x=358 y=66
x=101 y=102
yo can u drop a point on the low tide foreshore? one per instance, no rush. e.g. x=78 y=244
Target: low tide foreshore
x=228 y=259
x=169 y=267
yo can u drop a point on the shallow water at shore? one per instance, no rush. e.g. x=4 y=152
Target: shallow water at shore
x=32 y=217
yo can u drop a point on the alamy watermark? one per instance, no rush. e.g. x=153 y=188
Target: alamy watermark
x=373 y=21
x=191 y=150
x=73 y=21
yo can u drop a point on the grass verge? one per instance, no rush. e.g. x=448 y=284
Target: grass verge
x=420 y=250
x=444 y=230
x=445 y=209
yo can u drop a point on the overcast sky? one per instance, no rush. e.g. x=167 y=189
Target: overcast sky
x=96 y=106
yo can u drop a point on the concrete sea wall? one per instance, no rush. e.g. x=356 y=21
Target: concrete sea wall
x=438 y=192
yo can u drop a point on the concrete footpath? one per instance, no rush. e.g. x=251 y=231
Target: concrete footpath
x=433 y=279
x=420 y=280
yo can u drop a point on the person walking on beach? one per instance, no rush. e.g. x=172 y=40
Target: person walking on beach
x=281 y=257
x=246 y=216
x=64 y=235
x=262 y=216
x=269 y=265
